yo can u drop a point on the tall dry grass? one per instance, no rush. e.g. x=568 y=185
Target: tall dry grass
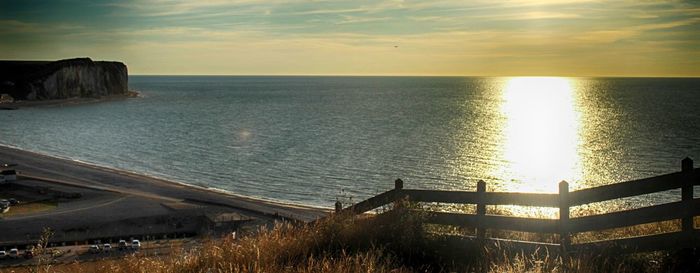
x=395 y=242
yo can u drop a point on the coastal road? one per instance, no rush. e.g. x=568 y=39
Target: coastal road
x=95 y=214
x=62 y=210
x=114 y=203
x=95 y=177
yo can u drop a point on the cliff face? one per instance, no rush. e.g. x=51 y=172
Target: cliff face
x=62 y=79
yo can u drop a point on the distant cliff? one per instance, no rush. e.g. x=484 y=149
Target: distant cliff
x=71 y=78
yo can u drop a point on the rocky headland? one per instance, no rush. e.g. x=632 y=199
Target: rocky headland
x=37 y=81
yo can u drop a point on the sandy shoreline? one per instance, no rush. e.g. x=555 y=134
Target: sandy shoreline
x=6 y=150
x=157 y=179
x=114 y=198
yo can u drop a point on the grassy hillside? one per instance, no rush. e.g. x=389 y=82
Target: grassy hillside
x=395 y=242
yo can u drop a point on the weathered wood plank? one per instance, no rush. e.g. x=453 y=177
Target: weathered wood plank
x=494 y=222
x=480 y=210
x=521 y=224
x=501 y=244
x=452 y=219
x=456 y=197
x=665 y=241
x=628 y=217
x=687 y=197
x=522 y=199
x=563 y=224
x=626 y=189
x=527 y=246
x=374 y=202
x=490 y=198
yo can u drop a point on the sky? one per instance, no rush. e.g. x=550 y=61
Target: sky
x=382 y=37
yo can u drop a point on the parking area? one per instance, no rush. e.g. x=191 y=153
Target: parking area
x=93 y=252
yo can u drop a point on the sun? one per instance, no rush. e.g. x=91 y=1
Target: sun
x=541 y=133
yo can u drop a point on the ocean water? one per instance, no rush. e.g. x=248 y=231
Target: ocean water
x=313 y=140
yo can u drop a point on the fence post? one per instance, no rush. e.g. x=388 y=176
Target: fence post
x=687 y=198
x=338 y=206
x=564 y=236
x=398 y=184
x=480 y=210
x=397 y=193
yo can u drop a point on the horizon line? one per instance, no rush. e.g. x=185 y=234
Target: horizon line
x=417 y=76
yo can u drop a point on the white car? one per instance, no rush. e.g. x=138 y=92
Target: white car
x=94 y=249
x=135 y=244
x=122 y=245
x=3 y=254
x=4 y=205
x=14 y=253
x=106 y=247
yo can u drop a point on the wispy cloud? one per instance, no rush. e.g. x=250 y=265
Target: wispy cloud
x=178 y=7
x=355 y=19
x=16 y=26
x=359 y=37
x=330 y=11
x=667 y=25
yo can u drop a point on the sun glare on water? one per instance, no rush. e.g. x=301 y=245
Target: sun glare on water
x=540 y=134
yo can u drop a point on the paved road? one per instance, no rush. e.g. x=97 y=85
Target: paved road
x=134 y=184
x=110 y=196
x=61 y=210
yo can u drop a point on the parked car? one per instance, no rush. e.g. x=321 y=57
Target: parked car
x=29 y=253
x=135 y=244
x=9 y=175
x=3 y=254
x=106 y=248
x=122 y=245
x=4 y=206
x=14 y=253
x=94 y=249
x=13 y=201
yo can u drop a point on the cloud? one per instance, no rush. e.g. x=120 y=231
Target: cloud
x=606 y=36
x=179 y=7
x=330 y=11
x=15 y=26
x=355 y=19
x=667 y=25
x=529 y=15
x=358 y=37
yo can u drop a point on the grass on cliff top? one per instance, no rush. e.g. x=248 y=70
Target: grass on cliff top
x=394 y=242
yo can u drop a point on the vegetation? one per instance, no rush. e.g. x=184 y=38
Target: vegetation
x=395 y=242
x=28 y=208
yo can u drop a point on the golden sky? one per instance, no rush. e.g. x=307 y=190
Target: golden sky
x=387 y=37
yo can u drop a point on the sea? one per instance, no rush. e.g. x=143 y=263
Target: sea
x=313 y=140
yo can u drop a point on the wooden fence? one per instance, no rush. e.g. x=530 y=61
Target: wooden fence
x=565 y=226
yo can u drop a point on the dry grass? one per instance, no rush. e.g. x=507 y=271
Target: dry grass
x=396 y=241
x=28 y=208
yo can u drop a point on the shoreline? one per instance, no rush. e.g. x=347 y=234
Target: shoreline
x=125 y=182
x=160 y=179
x=66 y=102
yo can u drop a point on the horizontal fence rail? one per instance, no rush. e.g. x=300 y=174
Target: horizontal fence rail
x=494 y=221
x=565 y=226
x=632 y=217
x=489 y=198
x=627 y=189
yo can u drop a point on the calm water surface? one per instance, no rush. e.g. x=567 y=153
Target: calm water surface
x=311 y=140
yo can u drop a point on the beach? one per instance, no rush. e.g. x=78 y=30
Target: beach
x=91 y=202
